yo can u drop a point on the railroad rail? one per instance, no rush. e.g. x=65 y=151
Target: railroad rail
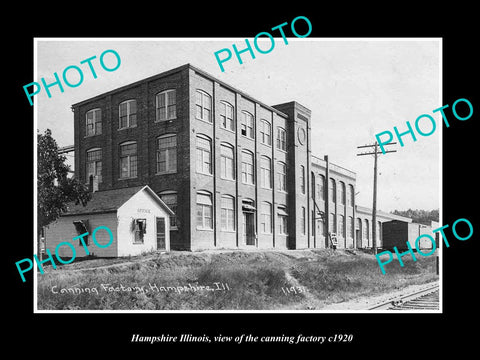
x=425 y=299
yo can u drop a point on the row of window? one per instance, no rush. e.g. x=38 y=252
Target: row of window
x=166 y=161
x=165 y=109
x=228 y=214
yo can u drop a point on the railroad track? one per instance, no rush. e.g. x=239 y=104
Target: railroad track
x=425 y=299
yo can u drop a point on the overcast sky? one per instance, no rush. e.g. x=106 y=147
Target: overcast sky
x=355 y=89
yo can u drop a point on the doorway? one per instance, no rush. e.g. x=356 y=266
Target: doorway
x=161 y=244
x=249 y=228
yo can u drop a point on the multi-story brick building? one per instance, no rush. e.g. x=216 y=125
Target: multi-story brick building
x=236 y=172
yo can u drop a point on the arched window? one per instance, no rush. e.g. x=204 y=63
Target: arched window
x=127 y=114
x=351 y=195
x=227 y=118
x=128 y=159
x=266 y=218
x=321 y=187
x=93 y=122
x=166 y=105
x=281 y=139
x=204 y=155
x=203 y=105
x=282 y=220
x=227 y=216
x=167 y=154
x=282 y=176
x=248 y=128
x=342 y=193
x=332 y=191
x=227 y=161
x=248 y=167
x=265 y=172
x=94 y=164
x=265 y=132
x=204 y=210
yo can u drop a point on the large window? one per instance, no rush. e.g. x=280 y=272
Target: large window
x=94 y=164
x=128 y=160
x=366 y=230
x=227 y=162
x=265 y=132
x=140 y=227
x=166 y=105
x=332 y=189
x=93 y=122
x=342 y=193
x=282 y=220
x=228 y=213
x=247 y=167
x=247 y=128
x=265 y=172
x=341 y=225
x=204 y=210
x=167 y=154
x=281 y=139
x=321 y=187
x=203 y=104
x=170 y=199
x=351 y=195
x=282 y=176
x=127 y=114
x=350 y=226
x=204 y=155
x=332 y=223
x=303 y=220
x=266 y=218
x=227 y=116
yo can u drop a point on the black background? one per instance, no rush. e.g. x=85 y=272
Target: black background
x=379 y=335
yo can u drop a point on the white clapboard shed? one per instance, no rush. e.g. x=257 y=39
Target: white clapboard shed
x=138 y=219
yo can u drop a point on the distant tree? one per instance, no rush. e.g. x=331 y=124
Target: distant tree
x=419 y=216
x=55 y=188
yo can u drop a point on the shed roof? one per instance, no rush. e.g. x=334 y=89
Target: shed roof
x=111 y=200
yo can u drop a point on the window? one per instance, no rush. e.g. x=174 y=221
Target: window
x=266 y=218
x=204 y=210
x=247 y=125
x=366 y=230
x=341 y=225
x=265 y=132
x=128 y=160
x=170 y=199
x=282 y=220
x=342 y=193
x=140 y=227
x=350 y=195
x=94 y=122
x=81 y=226
x=227 y=162
x=281 y=139
x=247 y=167
x=303 y=220
x=203 y=104
x=320 y=227
x=204 y=155
x=321 y=187
x=379 y=232
x=332 y=191
x=312 y=191
x=228 y=213
x=282 y=176
x=226 y=116
x=94 y=164
x=302 y=179
x=167 y=154
x=265 y=172
x=166 y=105
x=332 y=223
x=351 y=230
x=127 y=114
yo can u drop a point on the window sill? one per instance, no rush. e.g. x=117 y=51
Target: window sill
x=227 y=179
x=165 y=120
x=128 y=178
x=89 y=136
x=127 y=127
x=201 y=173
x=247 y=137
x=204 y=229
x=205 y=121
x=228 y=231
x=229 y=130
x=166 y=172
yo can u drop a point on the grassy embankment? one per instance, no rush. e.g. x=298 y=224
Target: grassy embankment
x=255 y=280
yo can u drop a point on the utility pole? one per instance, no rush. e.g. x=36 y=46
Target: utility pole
x=374 y=208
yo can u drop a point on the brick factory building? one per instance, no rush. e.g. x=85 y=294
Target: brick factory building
x=237 y=173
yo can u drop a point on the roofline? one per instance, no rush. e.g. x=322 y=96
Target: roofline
x=156 y=197
x=178 y=69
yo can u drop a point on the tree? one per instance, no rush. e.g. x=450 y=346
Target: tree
x=419 y=216
x=55 y=188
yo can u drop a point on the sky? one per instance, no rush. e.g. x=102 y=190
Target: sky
x=355 y=89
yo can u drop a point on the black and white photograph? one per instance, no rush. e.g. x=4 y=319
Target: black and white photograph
x=267 y=182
